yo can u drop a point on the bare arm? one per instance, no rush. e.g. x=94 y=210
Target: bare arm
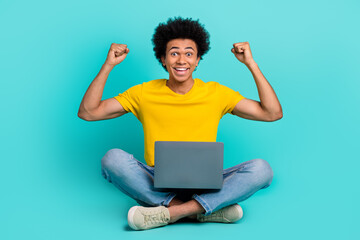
x=91 y=107
x=269 y=108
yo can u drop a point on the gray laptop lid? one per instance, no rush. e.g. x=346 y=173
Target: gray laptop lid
x=190 y=165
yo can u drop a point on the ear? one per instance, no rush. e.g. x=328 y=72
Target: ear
x=163 y=60
x=197 y=61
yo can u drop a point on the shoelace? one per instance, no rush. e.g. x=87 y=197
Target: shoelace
x=151 y=218
x=215 y=215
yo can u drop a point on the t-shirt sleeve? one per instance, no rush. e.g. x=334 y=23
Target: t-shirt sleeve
x=228 y=99
x=130 y=99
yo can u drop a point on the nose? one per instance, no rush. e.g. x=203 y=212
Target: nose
x=181 y=59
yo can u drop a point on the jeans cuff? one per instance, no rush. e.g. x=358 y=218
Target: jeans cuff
x=201 y=201
x=169 y=199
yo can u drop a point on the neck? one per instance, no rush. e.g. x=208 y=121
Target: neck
x=180 y=87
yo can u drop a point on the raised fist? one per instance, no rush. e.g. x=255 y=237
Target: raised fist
x=117 y=54
x=242 y=52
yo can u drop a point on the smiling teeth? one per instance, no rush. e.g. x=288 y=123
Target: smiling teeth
x=181 y=69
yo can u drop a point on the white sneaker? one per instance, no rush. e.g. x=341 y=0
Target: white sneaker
x=141 y=218
x=227 y=214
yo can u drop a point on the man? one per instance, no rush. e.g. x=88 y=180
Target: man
x=180 y=108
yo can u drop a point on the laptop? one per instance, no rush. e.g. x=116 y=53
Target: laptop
x=188 y=165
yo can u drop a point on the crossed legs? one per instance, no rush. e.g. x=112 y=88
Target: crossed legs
x=135 y=179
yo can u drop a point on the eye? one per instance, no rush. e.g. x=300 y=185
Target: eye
x=173 y=54
x=189 y=54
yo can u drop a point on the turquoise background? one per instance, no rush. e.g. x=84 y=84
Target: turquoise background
x=51 y=185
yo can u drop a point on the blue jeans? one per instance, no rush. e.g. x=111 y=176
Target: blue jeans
x=135 y=179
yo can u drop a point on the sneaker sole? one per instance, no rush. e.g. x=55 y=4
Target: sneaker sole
x=131 y=217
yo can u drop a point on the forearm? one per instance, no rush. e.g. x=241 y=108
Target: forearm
x=93 y=95
x=268 y=99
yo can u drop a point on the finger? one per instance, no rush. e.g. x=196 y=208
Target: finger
x=120 y=51
x=121 y=47
x=236 y=50
x=239 y=49
x=239 y=44
x=125 y=51
x=118 y=46
x=244 y=45
x=117 y=49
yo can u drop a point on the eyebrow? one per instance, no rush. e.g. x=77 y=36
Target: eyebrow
x=179 y=48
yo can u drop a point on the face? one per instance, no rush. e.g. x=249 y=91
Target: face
x=180 y=59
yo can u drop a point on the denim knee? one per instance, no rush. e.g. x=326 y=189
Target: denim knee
x=114 y=160
x=264 y=172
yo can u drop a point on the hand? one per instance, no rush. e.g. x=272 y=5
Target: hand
x=242 y=52
x=116 y=54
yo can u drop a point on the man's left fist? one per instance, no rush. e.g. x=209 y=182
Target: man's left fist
x=242 y=52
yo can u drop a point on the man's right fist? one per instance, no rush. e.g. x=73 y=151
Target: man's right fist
x=116 y=54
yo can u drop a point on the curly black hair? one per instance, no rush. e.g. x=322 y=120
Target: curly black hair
x=180 y=28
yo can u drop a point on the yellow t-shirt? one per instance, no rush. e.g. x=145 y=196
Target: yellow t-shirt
x=169 y=116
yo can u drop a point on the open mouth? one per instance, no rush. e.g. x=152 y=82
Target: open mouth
x=181 y=70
